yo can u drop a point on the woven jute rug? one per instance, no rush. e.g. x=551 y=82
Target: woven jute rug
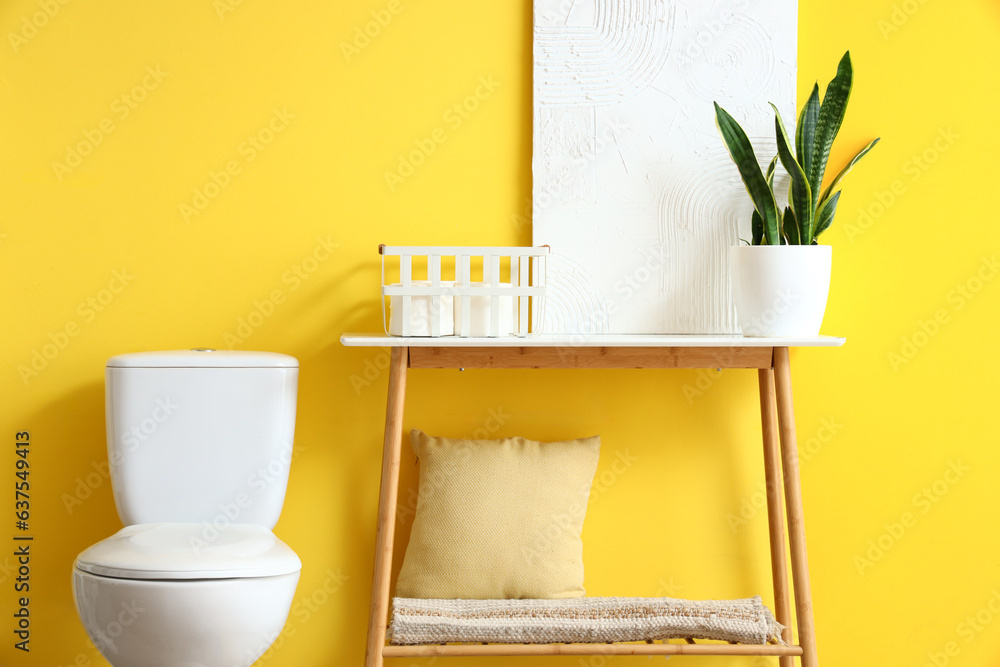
x=581 y=620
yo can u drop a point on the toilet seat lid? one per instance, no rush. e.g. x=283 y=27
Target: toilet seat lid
x=189 y=551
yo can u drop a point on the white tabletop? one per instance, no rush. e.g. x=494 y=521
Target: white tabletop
x=588 y=340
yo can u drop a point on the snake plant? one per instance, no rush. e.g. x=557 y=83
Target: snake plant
x=810 y=210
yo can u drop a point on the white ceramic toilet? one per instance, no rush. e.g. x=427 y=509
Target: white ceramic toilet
x=199 y=445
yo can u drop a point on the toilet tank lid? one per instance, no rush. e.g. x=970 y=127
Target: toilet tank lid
x=189 y=551
x=203 y=358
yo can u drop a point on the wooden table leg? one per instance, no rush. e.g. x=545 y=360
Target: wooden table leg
x=793 y=502
x=391 y=452
x=775 y=514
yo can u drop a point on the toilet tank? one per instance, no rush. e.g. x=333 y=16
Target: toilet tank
x=200 y=436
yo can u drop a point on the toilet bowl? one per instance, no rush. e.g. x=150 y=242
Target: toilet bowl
x=147 y=586
x=199 y=447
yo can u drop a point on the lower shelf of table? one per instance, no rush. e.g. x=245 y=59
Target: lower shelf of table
x=428 y=650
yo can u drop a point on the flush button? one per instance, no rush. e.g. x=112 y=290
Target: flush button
x=202 y=349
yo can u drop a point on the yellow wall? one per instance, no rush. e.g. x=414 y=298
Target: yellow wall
x=878 y=430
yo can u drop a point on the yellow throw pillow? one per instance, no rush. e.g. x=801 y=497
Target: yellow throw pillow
x=498 y=519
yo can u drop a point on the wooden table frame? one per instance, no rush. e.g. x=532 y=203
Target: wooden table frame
x=781 y=471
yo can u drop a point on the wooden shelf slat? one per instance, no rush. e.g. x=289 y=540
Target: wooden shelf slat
x=590 y=357
x=454 y=650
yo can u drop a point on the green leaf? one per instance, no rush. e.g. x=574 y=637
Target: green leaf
x=825 y=214
x=805 y=133
x=799 y=194
x=769 y=176
x=791 y=227
x=843 y=172
x=831 y=117
x=757 y=227
x=753 y=178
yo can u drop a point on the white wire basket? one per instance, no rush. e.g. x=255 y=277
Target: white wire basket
x=508 y=299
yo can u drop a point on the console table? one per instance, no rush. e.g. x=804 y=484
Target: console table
x=770 y=356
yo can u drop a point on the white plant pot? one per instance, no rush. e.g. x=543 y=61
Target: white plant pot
x=781 y=291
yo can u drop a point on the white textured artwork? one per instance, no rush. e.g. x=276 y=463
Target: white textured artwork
x=633 y=187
